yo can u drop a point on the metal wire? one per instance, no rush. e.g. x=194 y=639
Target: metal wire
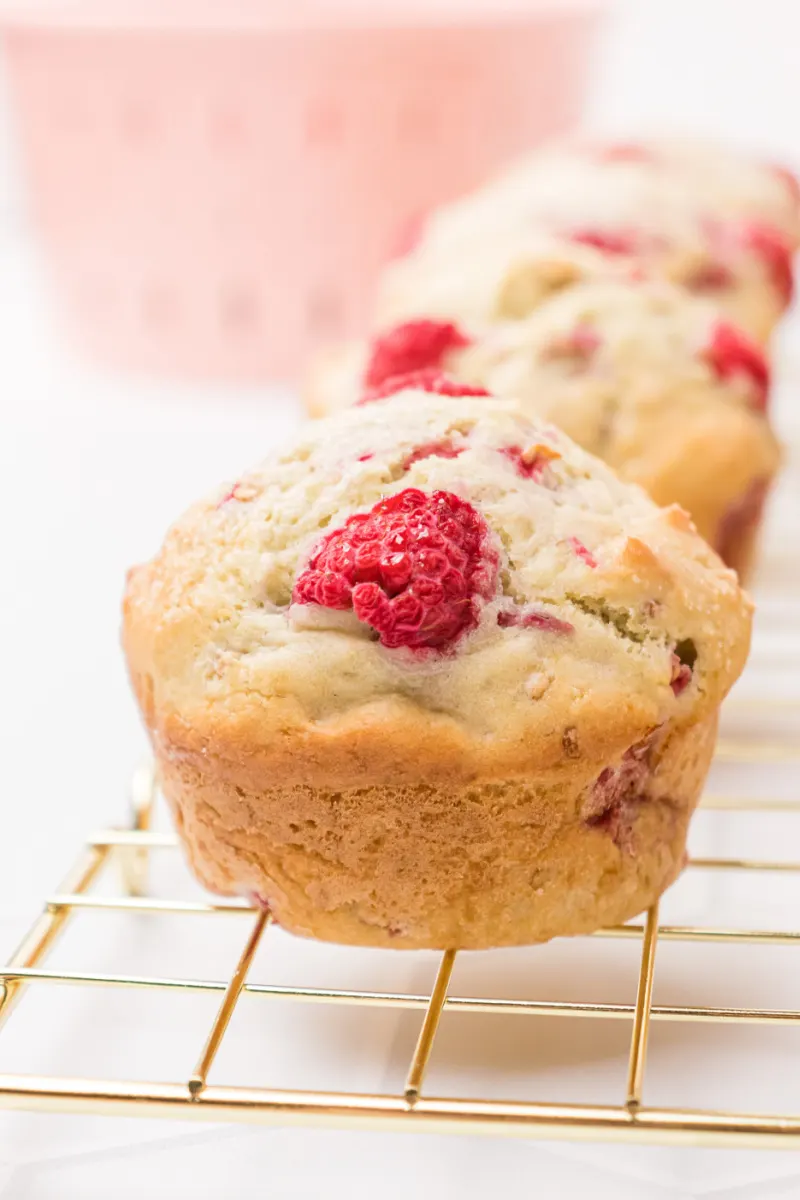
x=195 y=1098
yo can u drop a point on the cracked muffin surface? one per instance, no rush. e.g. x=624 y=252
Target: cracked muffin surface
x=434 y=677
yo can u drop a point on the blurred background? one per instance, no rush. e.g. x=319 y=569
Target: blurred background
x=166 y=262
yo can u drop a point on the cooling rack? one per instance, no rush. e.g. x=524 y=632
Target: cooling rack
x=631 y=1119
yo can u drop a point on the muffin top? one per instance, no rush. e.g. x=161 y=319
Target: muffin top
x=431 y=589
x=725 y=182
x=505 y=276
x=659 y=218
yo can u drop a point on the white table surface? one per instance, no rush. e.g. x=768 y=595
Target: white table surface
x=91 y=468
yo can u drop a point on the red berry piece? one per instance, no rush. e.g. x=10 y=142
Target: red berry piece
x=531 y=461
x=608 y=240
x=775 y=252
x=410 y=347
x=711 y=276
x=582 y=551
x=733 y=355
x=533 y=619
x=427 y=379
x=441 y=449
x=681 y=675
x=618 y=792
x=416 y=568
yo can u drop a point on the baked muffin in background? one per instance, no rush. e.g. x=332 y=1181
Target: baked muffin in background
x=682 y=219
x=651 y=380
x=504 y=276
x=730 y=184
x=434 y=677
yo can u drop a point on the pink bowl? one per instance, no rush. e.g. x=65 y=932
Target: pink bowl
x=217 y=189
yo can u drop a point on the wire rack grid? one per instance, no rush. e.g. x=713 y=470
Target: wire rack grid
x=194 y=1097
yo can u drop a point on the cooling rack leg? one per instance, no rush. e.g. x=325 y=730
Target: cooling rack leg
x=46 y=929
x=429 y=1026
x=641 y=1016
x=134 y=862
x=232 y=993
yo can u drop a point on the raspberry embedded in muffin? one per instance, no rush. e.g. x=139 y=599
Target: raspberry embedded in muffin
x=415 y=569
x=768 y=244
x=442 y=448
x=530 y=462
x=734 y=356
x=619 y=791
x=412 y=346
x=610 y=241
x=426 y=379
x=527 y=618
x=583 y=552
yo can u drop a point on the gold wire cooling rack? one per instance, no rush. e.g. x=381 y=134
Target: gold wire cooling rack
x=412 y=1109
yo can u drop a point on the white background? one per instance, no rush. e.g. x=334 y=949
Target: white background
x=91 y=468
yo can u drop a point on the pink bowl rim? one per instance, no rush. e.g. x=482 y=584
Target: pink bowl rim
x=273 y=14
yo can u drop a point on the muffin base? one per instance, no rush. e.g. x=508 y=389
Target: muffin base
x=493 y=863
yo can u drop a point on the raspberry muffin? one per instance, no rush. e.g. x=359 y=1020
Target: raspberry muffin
x=434 y=677
x=653 y=381
x=672 y=229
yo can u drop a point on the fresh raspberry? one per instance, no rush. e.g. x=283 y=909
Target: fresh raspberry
x=775 y=252
x=415 y=568
x=441 y=449
x=427 y=379
x=582 y=551
x=532 y=619
x=410 y=347
x=607 y=240
x=531 y=461
x=733 y=355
